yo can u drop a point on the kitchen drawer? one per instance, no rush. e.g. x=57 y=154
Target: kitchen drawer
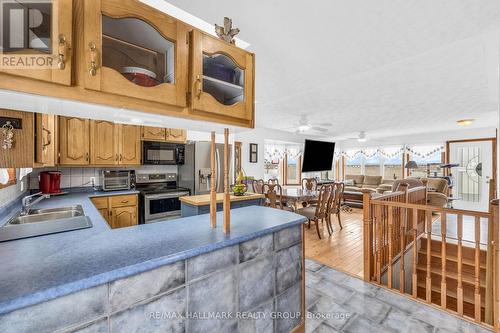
x=123 y=200
x=100 y=202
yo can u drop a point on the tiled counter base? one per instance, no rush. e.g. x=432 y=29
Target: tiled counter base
x=213 y=292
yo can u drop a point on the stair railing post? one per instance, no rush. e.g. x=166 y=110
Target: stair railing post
x=368 y=263
x=491 y=298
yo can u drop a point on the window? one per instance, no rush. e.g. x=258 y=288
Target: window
x=372 y=165
x=353 y=165
x=428 y=159
x=393 y=168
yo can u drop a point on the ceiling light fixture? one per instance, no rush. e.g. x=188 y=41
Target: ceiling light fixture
x=465 y=122
x=303 y=128
x=362 y=139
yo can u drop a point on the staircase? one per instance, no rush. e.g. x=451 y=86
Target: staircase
x=451 y=276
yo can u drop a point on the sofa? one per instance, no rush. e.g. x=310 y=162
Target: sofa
x=437 y=189
x=355 y=183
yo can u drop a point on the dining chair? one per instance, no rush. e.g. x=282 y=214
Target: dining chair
x=335 y=204
x=319 y=212
x=309 y=184
x=274 y=196
x=273 y=181
x=257 y=186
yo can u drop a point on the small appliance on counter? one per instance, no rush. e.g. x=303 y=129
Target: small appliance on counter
x=159 y=196
x=162 y=153
x=50 y=182
x=118 y=180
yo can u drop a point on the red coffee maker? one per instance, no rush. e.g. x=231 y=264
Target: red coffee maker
x=50 y=182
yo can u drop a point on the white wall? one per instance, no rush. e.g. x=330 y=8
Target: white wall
x=13 y=192
x=259 y=136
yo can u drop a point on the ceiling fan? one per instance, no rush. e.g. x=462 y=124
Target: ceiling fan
x=304 y=125
x=361 y=137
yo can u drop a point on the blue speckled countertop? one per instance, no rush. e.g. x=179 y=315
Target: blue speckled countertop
x=37 y=269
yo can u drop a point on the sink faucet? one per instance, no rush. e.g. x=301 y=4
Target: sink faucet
x=27 y=201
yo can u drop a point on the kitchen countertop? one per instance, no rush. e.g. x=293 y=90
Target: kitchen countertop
x=204 y=199
x=38 y=269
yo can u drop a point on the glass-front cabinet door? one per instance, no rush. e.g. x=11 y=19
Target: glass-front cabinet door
x=136 y=51
x=222 y=79
x=37 y=39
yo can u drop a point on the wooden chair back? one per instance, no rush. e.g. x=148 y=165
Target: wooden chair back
x=324 y=199
x=339 y=196
x=257 y=186
x=273 y=181
x=274 y=195
x=310 y=184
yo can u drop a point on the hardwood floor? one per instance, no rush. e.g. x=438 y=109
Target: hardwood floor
x=343 y=250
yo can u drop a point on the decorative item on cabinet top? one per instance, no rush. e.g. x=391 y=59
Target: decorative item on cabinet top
x=227 y=32
x=126 y=54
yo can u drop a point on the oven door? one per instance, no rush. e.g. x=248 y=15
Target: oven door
x=159 y=153
x=166 y=205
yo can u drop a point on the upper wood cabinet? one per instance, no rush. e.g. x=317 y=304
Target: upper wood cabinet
x=222 y=78
x=74 y=145
x=163 y=134
x=50 y=62
x=45 y=139
x=135 y=51
x=129 y=144
x=175 y=135
x=103 y=143
x=114 y=144
x=153 y=133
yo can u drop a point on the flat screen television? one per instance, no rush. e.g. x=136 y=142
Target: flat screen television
x=318 y=156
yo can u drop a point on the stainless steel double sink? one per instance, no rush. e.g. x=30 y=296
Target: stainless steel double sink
x=45 y=221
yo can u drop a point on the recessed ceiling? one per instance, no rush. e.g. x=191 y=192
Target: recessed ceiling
x=365 y=65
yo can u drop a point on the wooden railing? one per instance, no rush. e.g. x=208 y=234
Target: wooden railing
x=454 y=267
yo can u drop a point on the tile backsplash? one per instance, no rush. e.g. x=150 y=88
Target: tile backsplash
x=81 y=177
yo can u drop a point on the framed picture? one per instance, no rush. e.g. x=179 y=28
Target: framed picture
x=253 y=152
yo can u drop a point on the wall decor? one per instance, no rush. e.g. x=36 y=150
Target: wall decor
x=227 y=32
x=253 y=152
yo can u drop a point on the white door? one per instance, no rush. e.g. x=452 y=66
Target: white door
x=471 y=178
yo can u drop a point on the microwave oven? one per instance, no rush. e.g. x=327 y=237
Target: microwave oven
x=162 y=153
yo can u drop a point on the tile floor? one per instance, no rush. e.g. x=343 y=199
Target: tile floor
x=337 y=302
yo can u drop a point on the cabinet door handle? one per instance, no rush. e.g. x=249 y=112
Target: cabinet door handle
x=87 y=156
x=198 y=86
x=120 y=157
x=124 y=201
x=93 y=59
x=117 y=157
x=62 y=52
x=49 y=139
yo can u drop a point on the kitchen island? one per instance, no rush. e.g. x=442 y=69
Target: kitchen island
x=200 y=204
x=173 y=276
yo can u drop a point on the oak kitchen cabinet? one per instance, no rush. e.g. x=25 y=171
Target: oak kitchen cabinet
x=57 y=53
x=126 y=54
x=119 y=211
x=34 y=143
x=222 y=78
x=74 y=145
x=163 y=134
x=135 y=50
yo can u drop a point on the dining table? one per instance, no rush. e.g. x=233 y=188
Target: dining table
x=292 y=196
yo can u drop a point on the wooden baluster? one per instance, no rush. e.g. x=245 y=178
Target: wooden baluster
x=490 y=272
x=415 y=255
x=402 y=251
x=213 y=180
x=477 y=290
x=391 y=256
x=378 y=246
x=460 y=290
x=443 y=260
x=428 y=280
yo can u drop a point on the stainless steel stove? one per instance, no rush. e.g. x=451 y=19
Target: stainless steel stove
x=159 y=196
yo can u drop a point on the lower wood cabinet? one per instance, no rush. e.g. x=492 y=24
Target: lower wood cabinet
x=119 y=211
